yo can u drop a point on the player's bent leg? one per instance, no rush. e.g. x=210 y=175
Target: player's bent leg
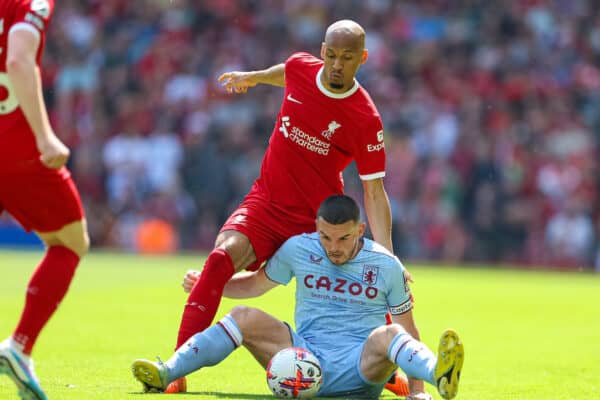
x=374 y=361
x=449 y=364
x=203 y=349
x=19 y=368
x=263 y=335
x=389 y=347
x=232 y=253
x=242 y=314
x=398 y=382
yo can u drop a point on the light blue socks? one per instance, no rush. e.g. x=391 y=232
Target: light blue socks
x=413 y=357
x=206 y=348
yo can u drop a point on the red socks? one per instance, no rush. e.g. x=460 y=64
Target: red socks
x=388 y=318
x=205 y=297
x=47 y=287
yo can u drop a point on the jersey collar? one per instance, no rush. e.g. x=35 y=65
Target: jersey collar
x=331 y=94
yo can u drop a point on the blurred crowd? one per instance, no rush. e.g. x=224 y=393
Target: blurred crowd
x=491 y=109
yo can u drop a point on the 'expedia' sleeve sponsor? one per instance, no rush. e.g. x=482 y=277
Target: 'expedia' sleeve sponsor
x=399 y=294
x=370 y=154
x=33 y=15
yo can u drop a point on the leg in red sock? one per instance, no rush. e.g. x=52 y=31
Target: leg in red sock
x=46 y=289
x=205 y=297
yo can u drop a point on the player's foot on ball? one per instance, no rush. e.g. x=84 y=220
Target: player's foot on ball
x=398 y=384
x=19 y=368
x=449 y=364
x=153 y=375
x=179 y=385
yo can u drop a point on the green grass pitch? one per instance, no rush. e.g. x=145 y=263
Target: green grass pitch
x=527 y=335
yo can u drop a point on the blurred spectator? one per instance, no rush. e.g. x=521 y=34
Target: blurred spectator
x=163 y=158
x=491 y=111
x=125 y=157
x=570 y=235
x=155 y=236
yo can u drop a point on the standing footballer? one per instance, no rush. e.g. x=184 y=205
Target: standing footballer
x=327 y=120
x=35 y=187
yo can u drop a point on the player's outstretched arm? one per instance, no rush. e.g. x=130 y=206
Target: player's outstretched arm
x=239 y=82
x=241 y=286
x=26 y=82
x=246 y=285
x=379 y=215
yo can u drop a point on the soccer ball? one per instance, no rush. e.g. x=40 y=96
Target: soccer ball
x=294 y=372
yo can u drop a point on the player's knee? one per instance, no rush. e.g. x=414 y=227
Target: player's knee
x=238 y=247
x=243 y=316
x=78 y=244
x=73 y=236
x=241 y=313
x=386 y=333
x=85 y=244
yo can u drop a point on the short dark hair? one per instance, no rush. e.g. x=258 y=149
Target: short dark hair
x=339 y=209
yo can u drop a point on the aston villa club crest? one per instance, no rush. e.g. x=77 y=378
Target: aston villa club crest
x=370 y=273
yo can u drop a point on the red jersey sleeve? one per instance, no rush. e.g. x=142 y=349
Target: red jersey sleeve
x=33 y=15
x=370 y=154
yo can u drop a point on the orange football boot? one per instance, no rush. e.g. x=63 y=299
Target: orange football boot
x=177 y=386
x=398 y=384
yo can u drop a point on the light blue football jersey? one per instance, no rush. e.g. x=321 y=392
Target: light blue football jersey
x=340 y=304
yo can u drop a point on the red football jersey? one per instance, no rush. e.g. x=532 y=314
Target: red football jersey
x=17 y=142
x=317 y=134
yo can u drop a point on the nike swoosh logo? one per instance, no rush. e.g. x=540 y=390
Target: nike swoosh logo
x=293 y=100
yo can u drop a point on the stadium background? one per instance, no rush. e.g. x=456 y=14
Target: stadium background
x=491 y=109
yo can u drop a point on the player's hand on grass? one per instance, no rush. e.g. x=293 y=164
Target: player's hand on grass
x=237 y=81
x=53 y=153
x=189 y=280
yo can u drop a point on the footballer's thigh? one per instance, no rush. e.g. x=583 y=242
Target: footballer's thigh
x=47 y=202
x=255 y=230
x=238 y=246
x=263 y=335
x=73 y=235
x=374 y=362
